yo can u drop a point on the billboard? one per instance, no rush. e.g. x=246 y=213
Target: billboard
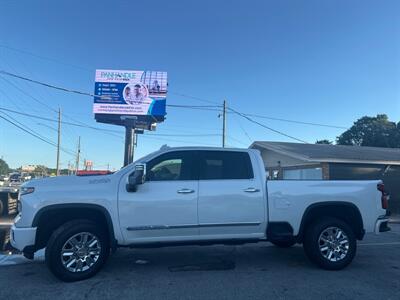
x=130 y=93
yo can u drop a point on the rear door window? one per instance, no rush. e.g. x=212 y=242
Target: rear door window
x=215 y=165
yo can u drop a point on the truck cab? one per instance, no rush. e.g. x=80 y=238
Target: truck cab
x=181 y=186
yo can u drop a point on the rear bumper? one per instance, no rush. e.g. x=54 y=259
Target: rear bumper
x=381 y=225
x=22 y=238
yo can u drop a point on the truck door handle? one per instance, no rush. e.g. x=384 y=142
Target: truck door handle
x=251 y=190
x=185 y=191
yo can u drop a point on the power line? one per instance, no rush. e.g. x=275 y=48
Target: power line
x=194 y=98
x=27 y=104
x=171 y=92
x=38 y=134
x=242 y=128
x=35 y=135
x=65 y=133
x=236 y=140
x=211 y=108
x=54 y=120
x=52 y=109
x=267 y=127
x=27 y=94
x=11 y=102
x=293 y=121
x=194 y=106
x=50 y=85
x=100 y=129
x=188 y=135
x=257 y=115
x=204 y=107
x=150 y=136
x=246 y=116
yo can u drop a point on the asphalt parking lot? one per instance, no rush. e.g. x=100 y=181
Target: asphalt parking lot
x=254 y=271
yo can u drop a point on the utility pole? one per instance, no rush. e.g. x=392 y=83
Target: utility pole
x=224 y=124
x=78 y=153
x=58 y=142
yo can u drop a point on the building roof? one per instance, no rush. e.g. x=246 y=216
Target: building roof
x=333 y=153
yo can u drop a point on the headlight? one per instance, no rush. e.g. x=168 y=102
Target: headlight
x=26 y=190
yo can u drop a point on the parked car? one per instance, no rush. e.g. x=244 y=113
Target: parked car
x=15 y=180
x=4 y=178
x=26 y=176
x=201 y=196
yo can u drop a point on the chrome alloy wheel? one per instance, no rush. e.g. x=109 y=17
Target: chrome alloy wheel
x=80 y=252
x=333 y=244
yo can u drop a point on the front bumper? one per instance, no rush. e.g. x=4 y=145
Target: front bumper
x=381 y=224
x=22 y=237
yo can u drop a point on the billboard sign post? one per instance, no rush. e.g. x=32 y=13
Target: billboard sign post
x=134 y=99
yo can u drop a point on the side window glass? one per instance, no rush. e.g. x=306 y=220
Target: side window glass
x=170 y=166
x=213 y=168
x=225 y=165
x=169 y=169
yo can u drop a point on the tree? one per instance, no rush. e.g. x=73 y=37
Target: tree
x=326 y=142
x=4 y=168
x=372 y=131
x=40 y=169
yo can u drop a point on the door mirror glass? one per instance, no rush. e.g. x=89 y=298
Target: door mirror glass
x=136 y=178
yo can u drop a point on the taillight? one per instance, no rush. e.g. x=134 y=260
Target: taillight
x=384 y=197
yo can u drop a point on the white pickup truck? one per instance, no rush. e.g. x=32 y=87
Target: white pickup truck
x=192 y=196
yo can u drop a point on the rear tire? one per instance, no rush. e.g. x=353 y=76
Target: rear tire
x=284 y=243
x=330 y=243
x=77 y=250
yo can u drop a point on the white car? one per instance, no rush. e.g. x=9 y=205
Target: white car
x=186 y=196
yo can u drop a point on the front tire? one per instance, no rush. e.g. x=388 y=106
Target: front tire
x=330 y=243
x=77 y=250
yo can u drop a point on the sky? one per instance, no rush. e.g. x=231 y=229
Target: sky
x=325 y=62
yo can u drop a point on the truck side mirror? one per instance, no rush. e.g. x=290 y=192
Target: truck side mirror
x=136 y=178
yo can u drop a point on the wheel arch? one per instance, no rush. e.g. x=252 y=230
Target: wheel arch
x=346 y=211
x=49 y=218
